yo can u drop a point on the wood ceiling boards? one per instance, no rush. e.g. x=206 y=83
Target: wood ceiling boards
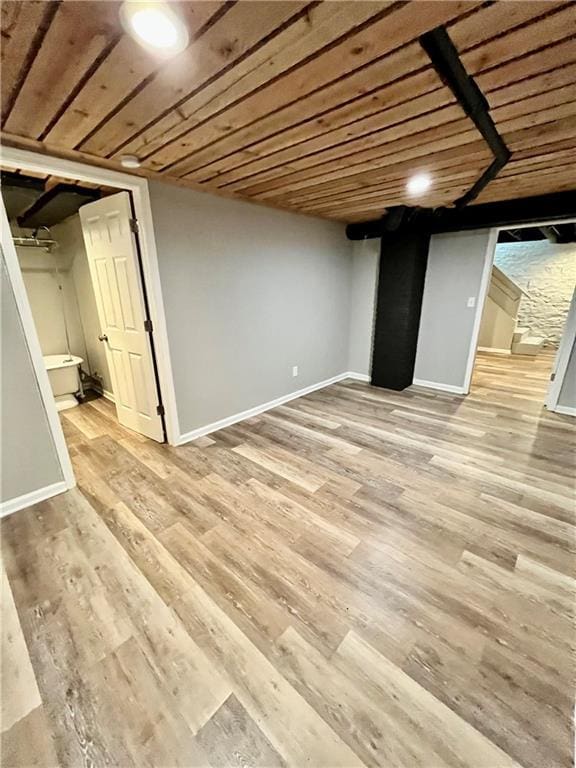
x=323 y=107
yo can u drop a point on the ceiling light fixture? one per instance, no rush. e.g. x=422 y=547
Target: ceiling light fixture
x=419 y=184
x=129 y=161
x=156 y=26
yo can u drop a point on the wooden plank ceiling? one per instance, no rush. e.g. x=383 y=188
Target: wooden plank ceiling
x=321 y=107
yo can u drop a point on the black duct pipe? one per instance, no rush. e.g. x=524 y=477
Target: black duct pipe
x=446 y=61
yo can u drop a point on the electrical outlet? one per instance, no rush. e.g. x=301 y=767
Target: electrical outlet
x=472 y=301
x=294 y=370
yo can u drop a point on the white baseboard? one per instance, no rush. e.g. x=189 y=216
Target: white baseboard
x=438 y=385
x=105 y=393
x=28 y=499
x=357 y=376
x=230 y=420
x=495 y=350
x=565 y=410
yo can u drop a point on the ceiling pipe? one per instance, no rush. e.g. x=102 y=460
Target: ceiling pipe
x=446 y=62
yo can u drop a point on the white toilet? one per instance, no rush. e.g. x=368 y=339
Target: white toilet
x=64 y=374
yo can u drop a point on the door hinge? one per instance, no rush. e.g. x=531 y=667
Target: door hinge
x=148 y=326
x=134 y=226
x=160 y=410
x=552 y=376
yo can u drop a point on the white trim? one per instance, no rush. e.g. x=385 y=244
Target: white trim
x=358 y=376
x=562 y=358
x=556 y=385
x=565 y=410
x=105 y=393
x=33 y=345
x=28 y=499
x=495 y=350
x=452 y=388
x=32 y=161
x=568 y=336
x=230 y=420
x=480 y=301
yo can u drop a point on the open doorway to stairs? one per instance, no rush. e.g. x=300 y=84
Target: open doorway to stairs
x=78 y=254
x=525 y=316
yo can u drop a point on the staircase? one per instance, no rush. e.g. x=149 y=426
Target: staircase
x=499 y=331
x=524 y=344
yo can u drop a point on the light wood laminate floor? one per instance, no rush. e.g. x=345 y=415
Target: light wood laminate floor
x=360 y=577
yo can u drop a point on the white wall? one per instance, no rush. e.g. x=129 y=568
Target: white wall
x=249 y=292
x=28 y=459
x=71 y=245
x=497 y=327
x=41 y=281
x=365 y=260
x=547 y=272
x=453 y=275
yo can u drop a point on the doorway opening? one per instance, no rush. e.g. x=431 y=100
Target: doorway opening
x=526 y=334
x=78 y=253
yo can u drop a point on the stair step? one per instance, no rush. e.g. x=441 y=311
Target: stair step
x=529 y=345
x=519 y=333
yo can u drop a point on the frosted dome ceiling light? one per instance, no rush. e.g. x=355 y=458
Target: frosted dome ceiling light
x=129 y=161
x=419 y=184
x=156 y=26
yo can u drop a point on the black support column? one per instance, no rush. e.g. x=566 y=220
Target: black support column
x=403 y=258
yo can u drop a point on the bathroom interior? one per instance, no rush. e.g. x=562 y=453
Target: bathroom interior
x=47 y=234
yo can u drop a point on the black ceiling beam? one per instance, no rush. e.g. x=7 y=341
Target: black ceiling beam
x=446 y=62
x=50 y=194
x=525 y=210
x=558 y=206
x=8 y=179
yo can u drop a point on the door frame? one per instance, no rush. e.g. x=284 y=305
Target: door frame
x=482 y=294
x=25 y=160
x=562 y=359
x=568 y=334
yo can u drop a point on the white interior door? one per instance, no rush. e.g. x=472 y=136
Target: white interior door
x=113 y=259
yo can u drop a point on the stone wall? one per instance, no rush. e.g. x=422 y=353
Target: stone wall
x=548 y=273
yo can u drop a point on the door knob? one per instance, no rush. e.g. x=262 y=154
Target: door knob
x=103 y=337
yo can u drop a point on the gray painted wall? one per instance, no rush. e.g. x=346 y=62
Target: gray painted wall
x=249 y=292
x=365 y=258
x=28 y=456
x=567 y=397
x=454 y=272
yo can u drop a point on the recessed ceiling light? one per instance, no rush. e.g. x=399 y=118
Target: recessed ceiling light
x=129 y=161
x=419 y=184
x=156 y=26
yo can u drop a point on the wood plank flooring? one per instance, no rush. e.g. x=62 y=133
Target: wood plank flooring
x=358 y=578
x=513 y=378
